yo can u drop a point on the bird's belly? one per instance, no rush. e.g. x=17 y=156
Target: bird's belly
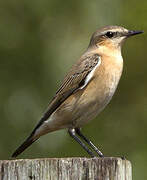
x=85 y=104
x=95 y=97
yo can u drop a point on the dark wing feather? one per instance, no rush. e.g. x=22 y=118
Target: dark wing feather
x=72 y=82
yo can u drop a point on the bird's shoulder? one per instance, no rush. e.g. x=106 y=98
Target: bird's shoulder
x=78 y=72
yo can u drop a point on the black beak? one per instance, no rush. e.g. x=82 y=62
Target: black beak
x=132 y=33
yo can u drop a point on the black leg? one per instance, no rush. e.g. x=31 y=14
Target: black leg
x=89 y=142
x=73 y=135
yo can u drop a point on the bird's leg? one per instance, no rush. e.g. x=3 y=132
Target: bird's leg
x=78 y=131
x=72 y=133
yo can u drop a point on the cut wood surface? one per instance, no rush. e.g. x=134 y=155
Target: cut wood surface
x=66 y=169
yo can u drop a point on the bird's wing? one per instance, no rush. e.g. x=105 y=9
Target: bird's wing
x=76 y=79
x=73 y=81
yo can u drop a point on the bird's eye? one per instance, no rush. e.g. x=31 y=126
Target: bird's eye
x=110 y=34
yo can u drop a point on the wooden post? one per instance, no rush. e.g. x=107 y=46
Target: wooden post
x=66 y=169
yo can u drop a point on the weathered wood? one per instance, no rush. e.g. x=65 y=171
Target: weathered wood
x=66 y=169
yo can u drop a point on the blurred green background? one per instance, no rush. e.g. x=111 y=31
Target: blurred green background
x=39 y=41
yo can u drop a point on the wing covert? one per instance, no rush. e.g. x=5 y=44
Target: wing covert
x=71 y=83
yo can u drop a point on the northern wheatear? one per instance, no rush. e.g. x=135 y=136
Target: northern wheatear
x=86 y=89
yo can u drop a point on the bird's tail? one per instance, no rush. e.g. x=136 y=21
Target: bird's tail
x=24 y=145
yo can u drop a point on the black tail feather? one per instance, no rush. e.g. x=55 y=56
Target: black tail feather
x=23 y=146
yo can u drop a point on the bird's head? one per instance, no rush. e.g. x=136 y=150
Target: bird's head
x=111 y=36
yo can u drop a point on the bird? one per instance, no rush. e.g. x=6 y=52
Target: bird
x=86 y=89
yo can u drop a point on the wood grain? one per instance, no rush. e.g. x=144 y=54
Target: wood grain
x=66 y=169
